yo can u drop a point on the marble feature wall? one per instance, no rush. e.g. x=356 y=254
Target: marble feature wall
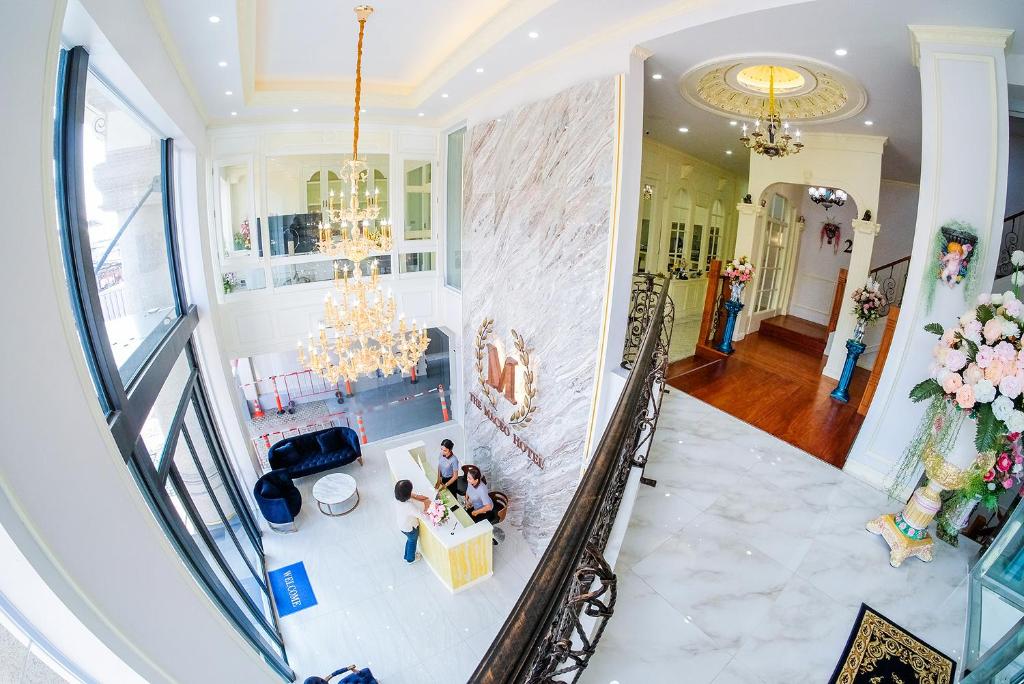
x=538 y=192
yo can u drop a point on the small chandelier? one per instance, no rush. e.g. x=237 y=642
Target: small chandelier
x=775 y=140
x=827 y=197
x=356 y=336
x=351 y=228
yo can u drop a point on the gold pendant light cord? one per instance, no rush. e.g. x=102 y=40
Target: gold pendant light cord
x=359 y=89
x=771 y=88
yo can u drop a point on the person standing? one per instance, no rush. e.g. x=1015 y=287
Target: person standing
x=408 y=508
x=448 y=468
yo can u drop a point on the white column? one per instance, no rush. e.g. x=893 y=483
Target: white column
x=964 y=146
x=864 y=233
x=747 y=230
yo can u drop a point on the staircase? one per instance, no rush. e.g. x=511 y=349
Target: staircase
x=797 y=333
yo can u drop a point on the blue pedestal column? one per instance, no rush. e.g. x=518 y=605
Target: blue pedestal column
x=853 y=351
x=734 y=308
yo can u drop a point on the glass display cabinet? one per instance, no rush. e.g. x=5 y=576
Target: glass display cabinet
x=995 y=620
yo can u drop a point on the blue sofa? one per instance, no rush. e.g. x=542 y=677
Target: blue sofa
x=315 y=452
x=278 y=497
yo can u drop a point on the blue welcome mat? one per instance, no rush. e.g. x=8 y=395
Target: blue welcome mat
x=291 y=589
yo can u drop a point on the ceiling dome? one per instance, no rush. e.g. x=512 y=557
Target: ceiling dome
x=805 y=89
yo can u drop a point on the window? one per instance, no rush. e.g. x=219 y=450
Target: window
x=453 y=210
x=677 y=232
x=297 y=187
x=416 y=262
x=115 y=202
x=715 y=232
x=417 y=200
x=695 y=244
x=124 y=208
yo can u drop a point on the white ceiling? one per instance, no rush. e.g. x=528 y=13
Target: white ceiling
x=874 y=32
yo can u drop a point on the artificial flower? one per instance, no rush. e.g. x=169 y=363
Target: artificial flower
x=972 y=331
x=952 y=382
x=968 y=316
x=1010 y=329
x=1015 y=308
x=956 y=360
x=990 y=475
x=1011 y=386
x=1002 y=407
x=992 y=486
x=1005 y=351
x=993 y=330
x=996 y=299
x=1008 y=482
x=996 y=371
x=984 y=298
x=984 y=392
x=973 y=374
x=965 y=397
x=1017 y=258
x=1016 y=421
x=1017 y=278
x=984 y=356
x=1003 y=463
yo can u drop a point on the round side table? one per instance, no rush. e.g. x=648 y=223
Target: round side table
x=336 y=494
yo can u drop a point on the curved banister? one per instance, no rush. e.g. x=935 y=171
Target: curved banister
x=555 y=625
x=876 y=269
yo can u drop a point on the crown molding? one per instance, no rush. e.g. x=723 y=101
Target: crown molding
x=973 y=36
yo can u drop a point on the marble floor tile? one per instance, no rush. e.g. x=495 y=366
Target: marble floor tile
x=643 y=655
x=714 y=578
x=772 y=569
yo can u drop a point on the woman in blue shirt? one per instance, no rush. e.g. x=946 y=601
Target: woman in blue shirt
x=479 y=503
x=448 y=468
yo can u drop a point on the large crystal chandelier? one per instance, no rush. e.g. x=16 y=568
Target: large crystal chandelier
x=775 y=140
x=352 y=227
x=356 y=336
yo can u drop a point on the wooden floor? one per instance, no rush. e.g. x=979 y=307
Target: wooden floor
x=779 y=389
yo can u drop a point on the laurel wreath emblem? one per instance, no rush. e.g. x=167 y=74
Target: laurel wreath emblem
x=523 y=415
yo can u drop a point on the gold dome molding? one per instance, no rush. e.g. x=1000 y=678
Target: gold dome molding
x=816 y=93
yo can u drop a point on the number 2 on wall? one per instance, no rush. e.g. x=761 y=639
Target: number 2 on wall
x=849 y=247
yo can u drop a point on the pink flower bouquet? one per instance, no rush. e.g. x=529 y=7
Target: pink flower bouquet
x=436 y=513
x=868 y=302
x=739 y=270
x=978 y=367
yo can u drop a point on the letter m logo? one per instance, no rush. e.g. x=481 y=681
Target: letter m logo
x=501 y=378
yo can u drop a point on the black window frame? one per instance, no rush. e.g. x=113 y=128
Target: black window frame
x=126 y=405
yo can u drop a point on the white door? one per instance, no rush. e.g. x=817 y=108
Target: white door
x=766 y=299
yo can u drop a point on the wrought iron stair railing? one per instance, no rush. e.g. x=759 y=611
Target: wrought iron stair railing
x=1013 y=227
x=556 y=624
x=893 y=280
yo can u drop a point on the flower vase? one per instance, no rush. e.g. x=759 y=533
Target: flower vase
x=906 y=532
x=737 y=290
x=859 y=329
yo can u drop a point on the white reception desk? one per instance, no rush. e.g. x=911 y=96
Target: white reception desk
x=458 y=551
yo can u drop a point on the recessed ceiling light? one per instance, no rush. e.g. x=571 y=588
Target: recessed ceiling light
x=733 y=123
x=841 y=52
x=444 y=95
x=222 y=63
x=656 y=77
x=228 y=92
x=234 y=113
x=728 y=151
x=533 y=34
x=479 y=70
x=362 y=111
x=684 y=129
x=295 y=110
x=215 y=19
x=420 y=114
x=869 y=122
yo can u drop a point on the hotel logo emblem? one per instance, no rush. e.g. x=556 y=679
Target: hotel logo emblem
x=502 y=378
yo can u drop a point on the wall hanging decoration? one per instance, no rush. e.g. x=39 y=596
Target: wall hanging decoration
x=831 y=231
x=958 y=252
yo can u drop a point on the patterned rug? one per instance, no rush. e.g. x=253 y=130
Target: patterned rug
x=881 y=652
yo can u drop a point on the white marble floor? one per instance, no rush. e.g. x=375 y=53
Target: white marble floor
x=749 y=560
x=375 y=610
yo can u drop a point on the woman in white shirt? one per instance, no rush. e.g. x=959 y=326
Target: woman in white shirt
x=408 y=508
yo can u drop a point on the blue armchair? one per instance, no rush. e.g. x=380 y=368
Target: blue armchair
x=357 y=676
x=278 y=498
x=315 y=452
